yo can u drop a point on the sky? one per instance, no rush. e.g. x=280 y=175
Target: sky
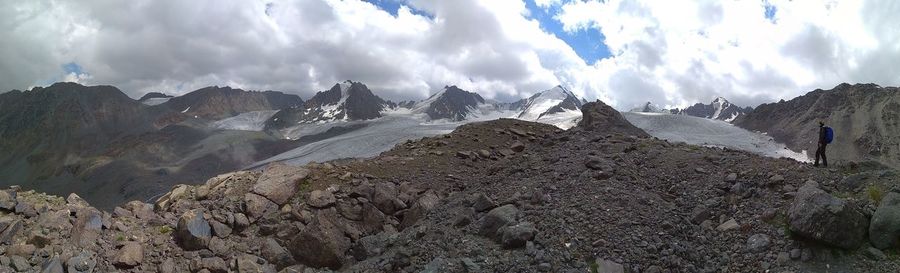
x=624 y=52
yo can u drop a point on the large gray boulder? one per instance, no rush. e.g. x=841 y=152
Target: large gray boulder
x=193 y=232
x=819 y=216
x=496 y=219
x=279 y=182
x=884 y=230
x=321 y=244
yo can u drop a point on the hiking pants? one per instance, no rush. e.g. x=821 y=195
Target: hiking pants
x=820 y=152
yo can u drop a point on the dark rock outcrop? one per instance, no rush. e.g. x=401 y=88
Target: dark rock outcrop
x=599 y=117
x=819 y=216
x=884 y=230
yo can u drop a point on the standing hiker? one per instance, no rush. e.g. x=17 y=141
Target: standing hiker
x=826 y=135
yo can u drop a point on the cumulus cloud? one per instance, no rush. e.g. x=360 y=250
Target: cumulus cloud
x=673 y=53
x=173 y=46
x=676 y=52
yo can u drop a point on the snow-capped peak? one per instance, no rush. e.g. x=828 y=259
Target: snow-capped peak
x=546 y=101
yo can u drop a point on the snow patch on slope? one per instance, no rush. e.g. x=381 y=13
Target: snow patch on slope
x=249 y=121
x=155 y=101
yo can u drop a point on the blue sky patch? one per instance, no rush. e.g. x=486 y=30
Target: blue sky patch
x=770 y=11
x=588 y=43
x=72 y=68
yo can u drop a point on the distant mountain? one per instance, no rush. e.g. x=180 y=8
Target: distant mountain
x=451 y=103
x=154 y=98
x=345 y=101
x=215 y=102
x=107 y=147
x=719 y=109
x=557 y=106
x=865 y=119
x=649 y=107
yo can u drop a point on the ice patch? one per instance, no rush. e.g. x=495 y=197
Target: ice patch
x=186 y=109
x=155 y=101
x=249 y=121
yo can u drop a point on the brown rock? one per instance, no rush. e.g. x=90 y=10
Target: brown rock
x=257 y=206
x=130 y=255
x=320 y=199
x=279 y=182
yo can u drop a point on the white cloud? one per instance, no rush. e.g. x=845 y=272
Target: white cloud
x=673 y=53
x=295 y=45
x=676 y=52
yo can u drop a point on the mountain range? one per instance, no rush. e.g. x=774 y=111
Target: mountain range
x=718 y=109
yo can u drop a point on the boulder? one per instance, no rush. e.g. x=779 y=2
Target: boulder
x=320 y=199
x=372 y=245
x=279 y=182
x=320 y=244
x=141 y=210
x=276 y=254
x=52 y=265
x=7 y=200
x=758 y=243
x=219 y=229
x=817 y=215
x=385 y=198
x=516 y=236
x=517 y=146
x=193 y=232
x=256 y=206
x=597 y=116
x=608 y=266
x=87 y=227
x=728 y=225
x=496 y=219
x=10 y=227
x=884 y=229
x=483 y=203
x=246 y=263
x=81 y=263
x=419 y=209
x=130 y=255
x=19 y=263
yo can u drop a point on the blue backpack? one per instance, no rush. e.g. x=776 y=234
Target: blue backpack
x=829 y=135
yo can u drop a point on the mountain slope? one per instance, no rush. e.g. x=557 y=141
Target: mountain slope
x=556 y=106
x=346 y=101
x=719 y=109
x=213 y=103
x=451 y=103
x=865 y=118
x=649 y=107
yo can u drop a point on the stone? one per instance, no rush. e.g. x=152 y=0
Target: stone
x=700 y=214
x=130 y=255
x=141 y=210
x=10 y=227
x=728 y=225
x=256 y=206
x=371 y=246
x=193 y=231
x=516 y=236
x=76 y=201
x=219 y=229
x=168 y=266
x=246 y=263
x=120 y=212
x=52 y=265
x=783 y=258
x=483 y=203
x=517 y=146
x=795 y=254
x=819 y=216
x=758 y=243
x=320 y=244
x=275 y=254
x=81 y=263
x=87 y=227
x=419 y=209
x=214 y=265
x=24 y=250
x=731 y=177
x=884 y=229
x=321 y=199
x=8 y=200
x=19 y=263
x=496 y=219
x=776 y=178
x=25 y=208
x=279 y=182
x=385 y=198
x=607 y=266
x=875 y=254
x=240 y=221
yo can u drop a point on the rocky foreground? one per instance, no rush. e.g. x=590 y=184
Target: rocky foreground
x=499 y=196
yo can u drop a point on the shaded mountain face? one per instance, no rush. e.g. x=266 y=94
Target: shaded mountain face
x=865 y=119
x=548 y=102
x=101 y=144
x=719 y=109
x=154 y=95
x=451 y=103
x=603 y=119
x=345 y=101
x=215 y=102
x=649 y=108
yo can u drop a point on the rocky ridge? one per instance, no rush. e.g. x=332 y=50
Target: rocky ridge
x=498 y=196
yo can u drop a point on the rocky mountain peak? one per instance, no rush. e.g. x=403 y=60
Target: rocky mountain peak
x=450 y=103
x=599 y=117
x=719 y=109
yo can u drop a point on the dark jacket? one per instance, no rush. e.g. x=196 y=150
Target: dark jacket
x=822 y=135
